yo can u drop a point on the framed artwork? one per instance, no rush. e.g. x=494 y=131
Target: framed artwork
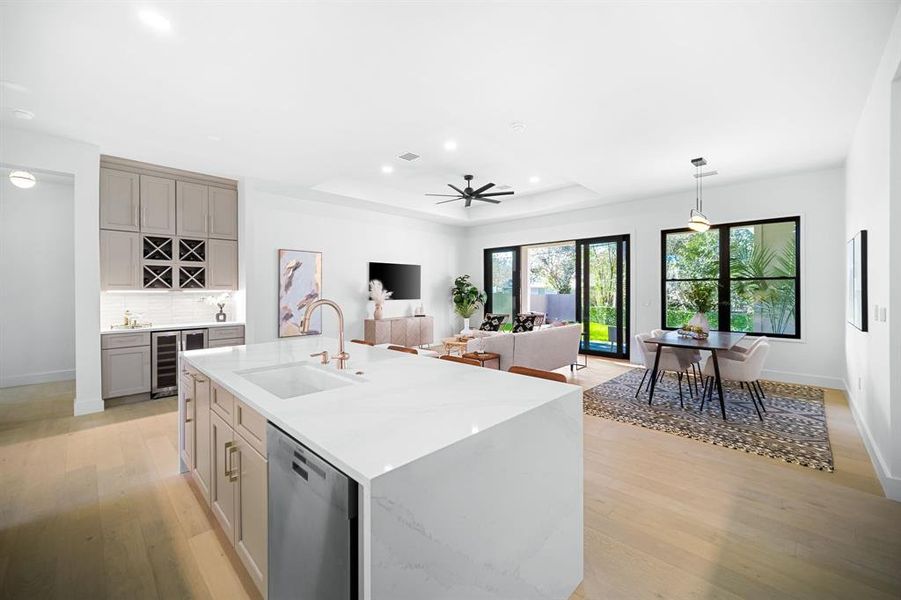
x=857 y=281
x=299 y=284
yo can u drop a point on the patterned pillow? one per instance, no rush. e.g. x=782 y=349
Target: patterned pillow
x=524 y=323
x=492 y=322
x=540 y=318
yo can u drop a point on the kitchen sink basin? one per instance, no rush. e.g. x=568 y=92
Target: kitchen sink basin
x=298 y=379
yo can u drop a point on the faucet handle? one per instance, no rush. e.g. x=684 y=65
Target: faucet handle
x=323 y=354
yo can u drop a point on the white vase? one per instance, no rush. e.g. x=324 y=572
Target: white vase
x=466 y=330
x=700 y=320
x=377 y=313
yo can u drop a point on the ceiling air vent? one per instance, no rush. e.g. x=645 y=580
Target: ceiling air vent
x=409 y=156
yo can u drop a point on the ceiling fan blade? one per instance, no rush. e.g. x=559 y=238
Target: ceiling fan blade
x=485 y=187
x=491 y=200
x=456 y=189
x=445 y=195
x=468 y=201
x=496 y=194
x=446 y=201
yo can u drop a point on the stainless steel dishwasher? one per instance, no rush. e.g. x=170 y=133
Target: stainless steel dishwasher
x=312 y=525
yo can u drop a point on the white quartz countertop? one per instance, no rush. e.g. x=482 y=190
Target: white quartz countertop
x=173 y=326
x=404 y=407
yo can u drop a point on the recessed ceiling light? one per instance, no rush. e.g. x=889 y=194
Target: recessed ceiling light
x=21 y=113
x=22 y=179
x=450 y=145
x=387 y=169
x=517 y=126
x=214 y=138
x=534 y=179
x=155 y=21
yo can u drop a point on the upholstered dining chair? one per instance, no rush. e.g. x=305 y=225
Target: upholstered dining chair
x=738 y=352
x=460 y=359
x=693 y=357
x=745 y=370
x=549 y=375
x=403 y=349
x=364 y=342
x=671 y=361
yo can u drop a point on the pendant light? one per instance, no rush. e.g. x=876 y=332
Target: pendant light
x=697 y=221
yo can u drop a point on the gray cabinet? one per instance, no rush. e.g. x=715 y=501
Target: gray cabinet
x=222 y=265
x=125 y=371
x=192 y=209
x=222 y=476
x=223 y=213
x=202 y=448
x=252 y=511
x=120 y=260
x=119 y=200
x=157 y=205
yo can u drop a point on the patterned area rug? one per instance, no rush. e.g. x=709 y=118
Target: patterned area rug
x=793 y=428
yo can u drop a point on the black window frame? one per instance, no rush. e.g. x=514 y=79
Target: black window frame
x=724 y=278
x=489 y=277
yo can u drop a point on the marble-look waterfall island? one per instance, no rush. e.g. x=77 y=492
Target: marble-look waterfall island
x=397 y=477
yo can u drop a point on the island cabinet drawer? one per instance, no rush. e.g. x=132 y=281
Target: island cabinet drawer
x=225 y=333
x=251 y=426
x=223 y=403
x=124 y=340
x=226 y=343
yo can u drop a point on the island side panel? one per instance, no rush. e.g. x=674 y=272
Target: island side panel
x=496 y=515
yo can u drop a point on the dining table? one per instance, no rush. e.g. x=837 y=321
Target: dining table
x=714 y=342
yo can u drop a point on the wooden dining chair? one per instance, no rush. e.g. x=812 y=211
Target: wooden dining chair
x=403 y=349
x=550 y=375
x=364 y=342
x=461 y=360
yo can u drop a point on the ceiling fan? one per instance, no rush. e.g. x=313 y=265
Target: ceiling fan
x=470 y=194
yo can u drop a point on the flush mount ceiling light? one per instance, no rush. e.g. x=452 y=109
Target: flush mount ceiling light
x=214 y=138
x=21 y=113
x=697 y=220
x=155 y=21
x=387 y=169
x=534 y=179
x=517 y=126
x=450 y=145
x=22 y=179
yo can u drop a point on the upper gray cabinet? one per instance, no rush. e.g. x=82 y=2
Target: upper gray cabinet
x=157 y=205
x=119 y=200
x=120 y=260
x=222 y=265
x=192 y=209
x=223 y=208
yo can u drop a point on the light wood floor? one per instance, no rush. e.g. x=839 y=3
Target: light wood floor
x=91 y=507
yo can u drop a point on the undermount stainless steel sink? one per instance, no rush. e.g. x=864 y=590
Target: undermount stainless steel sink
x=298 y=379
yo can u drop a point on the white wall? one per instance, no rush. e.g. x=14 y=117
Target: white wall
x=50 y=153
x=816 y=196
x=37 y=281
x=873 y=202
x=349 y=238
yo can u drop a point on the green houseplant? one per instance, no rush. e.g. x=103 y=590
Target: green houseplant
x=700 y=296
x=467 y=299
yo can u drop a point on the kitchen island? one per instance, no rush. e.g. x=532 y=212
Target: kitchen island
x=469 y=479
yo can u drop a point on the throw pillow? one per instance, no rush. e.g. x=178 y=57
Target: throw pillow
x=523 y=323
x=492 y=322
x=540 y=318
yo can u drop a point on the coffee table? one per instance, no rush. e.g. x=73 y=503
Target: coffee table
x=484 y=357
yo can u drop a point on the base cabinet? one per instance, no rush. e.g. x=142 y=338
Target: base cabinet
x=125 y=371
x=222 y=490
x=252 y=508
x=403 y=331
x=202 y=460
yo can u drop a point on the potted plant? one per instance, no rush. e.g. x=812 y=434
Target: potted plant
x=700 y=297
x=467 y=299
x=378 y=294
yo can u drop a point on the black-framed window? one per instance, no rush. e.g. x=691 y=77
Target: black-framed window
x=502 y=282
x=747 y=276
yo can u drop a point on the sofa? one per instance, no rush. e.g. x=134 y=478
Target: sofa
x=548 y=348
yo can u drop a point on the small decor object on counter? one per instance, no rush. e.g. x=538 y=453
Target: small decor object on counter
x=221 y=300
x=299 y=284
x=378 y=294
x=467 y=299
x=420 y=311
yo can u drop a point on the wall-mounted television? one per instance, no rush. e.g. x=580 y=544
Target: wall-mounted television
x=403 y=280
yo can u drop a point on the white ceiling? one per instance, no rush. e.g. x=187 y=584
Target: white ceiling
x=616 y=97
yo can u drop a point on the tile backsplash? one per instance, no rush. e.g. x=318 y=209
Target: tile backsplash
x=161 y=308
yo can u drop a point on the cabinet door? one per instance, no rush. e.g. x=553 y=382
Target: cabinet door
x=119 y=200
x=120 y=260
x=157 y=205
x=202 y=460
x=223 y=213
x=191 y=209
x=412 y=331
x=398 y=332
x=426 y=330
x=125 y=371
x=222 y=486
x=251 y=518
x=190 y=431
x=222 y=265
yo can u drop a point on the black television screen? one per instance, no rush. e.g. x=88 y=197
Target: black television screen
x=403 y=280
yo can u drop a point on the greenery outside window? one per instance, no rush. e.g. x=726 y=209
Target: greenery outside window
x=746 y=276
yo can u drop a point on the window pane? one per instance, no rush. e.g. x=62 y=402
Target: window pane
x=502 y=283
x=685 y=298
x=552 y=281
x=763 y=250
x=764 y=306
x=692 y=255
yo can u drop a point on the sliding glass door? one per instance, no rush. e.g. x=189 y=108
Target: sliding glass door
x=502 y=282
x=603 y=276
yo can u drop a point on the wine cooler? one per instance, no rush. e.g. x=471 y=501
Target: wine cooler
x=165 y=346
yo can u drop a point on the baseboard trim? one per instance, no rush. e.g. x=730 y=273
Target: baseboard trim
x=86 y=407
x=890 y=485
x=33 y=378
x=804 y=379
